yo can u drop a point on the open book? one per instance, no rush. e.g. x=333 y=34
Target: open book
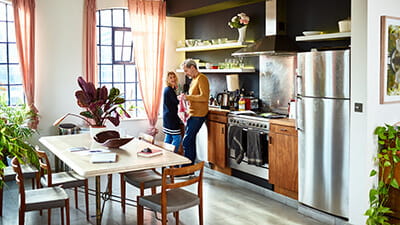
x=103 y=157
x=147 y=152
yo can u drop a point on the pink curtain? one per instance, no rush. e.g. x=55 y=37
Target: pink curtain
x=148 y=30
x=24 y=15
x=90 y=40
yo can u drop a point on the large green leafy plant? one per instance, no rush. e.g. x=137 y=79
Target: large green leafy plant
x=14 y=134
x=387 y=158
x=99 y=104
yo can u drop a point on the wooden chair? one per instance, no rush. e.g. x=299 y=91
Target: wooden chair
x=38 y=199
x=142 y=179
x=172 y=197
x=68 y=179
x=29 y=171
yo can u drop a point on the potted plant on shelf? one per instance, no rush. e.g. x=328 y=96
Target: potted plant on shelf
x=99 y=104
x=382 y=203
x=14 y=134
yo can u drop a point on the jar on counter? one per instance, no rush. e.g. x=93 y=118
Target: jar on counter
x=242 y=103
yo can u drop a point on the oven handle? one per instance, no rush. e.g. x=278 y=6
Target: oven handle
x=261 y=132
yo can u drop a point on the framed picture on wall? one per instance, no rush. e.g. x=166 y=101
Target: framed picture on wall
x=390 y=60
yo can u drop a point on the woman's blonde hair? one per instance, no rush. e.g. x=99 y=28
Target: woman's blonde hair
x=166 y=78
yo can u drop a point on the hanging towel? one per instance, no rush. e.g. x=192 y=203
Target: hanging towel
x=254 y=150
x=183 y=110
x=235 y=142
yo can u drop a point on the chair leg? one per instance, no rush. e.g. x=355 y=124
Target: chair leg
x=110 y=184
x=33 y=183
x=67 y=211
x=87 y=199
x=49 y=216
x=176 y=214
x=76 y=197
x=200 y=214
x=164 y=217
x=123 y=192
x=139 y=212
x=21 y=215
x=62 y=215
x=153 y=190
x=141 y=189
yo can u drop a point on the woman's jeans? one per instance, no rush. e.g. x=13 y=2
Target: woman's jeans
x=193 y=126
x=174 y=139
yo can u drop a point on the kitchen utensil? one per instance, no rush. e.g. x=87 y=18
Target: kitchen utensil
x=307 y=33
x=223 y=100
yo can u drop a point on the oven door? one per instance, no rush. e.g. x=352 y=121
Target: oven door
x=243 y=165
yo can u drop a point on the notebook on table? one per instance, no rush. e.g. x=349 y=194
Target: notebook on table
x=103 y=157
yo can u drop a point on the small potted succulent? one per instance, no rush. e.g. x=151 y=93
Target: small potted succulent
x=99 y=104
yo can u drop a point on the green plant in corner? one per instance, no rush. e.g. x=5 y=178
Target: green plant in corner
x=14 y=134
x=387 y=158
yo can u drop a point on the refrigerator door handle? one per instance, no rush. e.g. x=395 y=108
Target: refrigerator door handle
x=299 y=113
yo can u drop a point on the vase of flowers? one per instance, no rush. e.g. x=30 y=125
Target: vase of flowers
x=240 y=22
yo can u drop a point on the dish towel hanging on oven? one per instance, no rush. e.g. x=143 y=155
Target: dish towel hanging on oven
x=235 y=142
x=254 y=150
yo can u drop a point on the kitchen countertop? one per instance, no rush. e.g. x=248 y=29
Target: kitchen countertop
x=283 y=122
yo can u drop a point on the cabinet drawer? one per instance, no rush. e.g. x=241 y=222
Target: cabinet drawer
x=217 y=118
x=283 y=129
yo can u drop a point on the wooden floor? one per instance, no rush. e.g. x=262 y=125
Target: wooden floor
x=225 y=203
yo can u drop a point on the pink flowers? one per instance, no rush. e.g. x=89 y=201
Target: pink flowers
x=238 y=21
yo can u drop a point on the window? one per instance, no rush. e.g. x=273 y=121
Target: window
x=11 y=88
x=115 y=60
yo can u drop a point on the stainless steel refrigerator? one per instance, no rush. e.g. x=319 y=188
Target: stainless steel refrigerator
x=323 y=111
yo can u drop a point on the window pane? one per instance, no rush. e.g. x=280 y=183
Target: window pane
x=118 y=36
x=118 y=54
x=120 y=87
x=127 y=20
x=118 y=18
x=16 y=95
x=11 y=32
x=130 y=73
x=13 y=53
x=2 y=11
x=98 y=34
x=3 y=31
x=105 y=18
x=10 y=13
x=105 y=36
x=15 y=74
x=118 y=73
x=128 y=38
x=3 y=74
x=3 y=53
x=130 y=91
x=141 y=112
x=106 y=56
x=105 y=73
x=127 y=54
x=4 y=92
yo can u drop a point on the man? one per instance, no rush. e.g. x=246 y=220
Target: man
x=198 y=96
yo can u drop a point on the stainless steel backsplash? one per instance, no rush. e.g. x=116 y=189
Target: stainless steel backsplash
x=277 y=82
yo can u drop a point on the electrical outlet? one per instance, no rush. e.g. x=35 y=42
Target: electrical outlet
x=358 y=107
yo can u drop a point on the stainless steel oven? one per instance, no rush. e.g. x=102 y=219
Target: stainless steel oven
x=248 y=135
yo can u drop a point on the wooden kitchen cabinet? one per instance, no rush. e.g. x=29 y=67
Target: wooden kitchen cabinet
x=217 y=149
x=282 y=153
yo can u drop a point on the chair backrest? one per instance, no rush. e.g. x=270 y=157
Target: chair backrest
x=146 y=137
x=172 y=172
x=166 y=146
x=45 y=166
x=19 y=178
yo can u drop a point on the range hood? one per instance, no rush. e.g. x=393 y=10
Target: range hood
x=275 y=41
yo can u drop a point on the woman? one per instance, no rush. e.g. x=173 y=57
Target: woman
x=171 y=121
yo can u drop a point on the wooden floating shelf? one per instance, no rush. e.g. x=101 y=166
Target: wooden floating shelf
x=212 y=47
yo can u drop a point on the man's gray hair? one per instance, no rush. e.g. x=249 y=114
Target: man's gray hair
x=188 y=63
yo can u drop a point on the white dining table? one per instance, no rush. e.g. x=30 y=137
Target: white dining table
x=127 y=158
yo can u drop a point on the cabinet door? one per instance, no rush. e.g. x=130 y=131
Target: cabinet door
x=216 y=144
x=283 y=170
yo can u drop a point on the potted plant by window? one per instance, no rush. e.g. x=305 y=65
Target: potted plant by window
x=14 y=134
x=99 y=104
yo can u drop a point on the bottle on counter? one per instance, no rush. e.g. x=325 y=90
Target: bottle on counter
x=242 y=103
